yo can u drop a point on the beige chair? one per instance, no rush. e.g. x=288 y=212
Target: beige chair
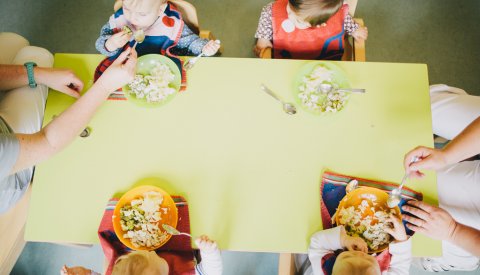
x=189 y=16
x=354 y=51
x=12 y=228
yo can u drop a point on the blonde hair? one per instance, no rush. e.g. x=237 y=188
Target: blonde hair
x=140 y=262
x=356 y=266
x=315 y=12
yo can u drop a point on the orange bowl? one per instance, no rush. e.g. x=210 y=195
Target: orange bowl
x=355 y=198
x=170 y=217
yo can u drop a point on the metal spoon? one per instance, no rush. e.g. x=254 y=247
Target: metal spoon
x=189 y=64
x=396 y=194
x=139 y=36
x=289 y=108
x=173 y=231
x=326 y=88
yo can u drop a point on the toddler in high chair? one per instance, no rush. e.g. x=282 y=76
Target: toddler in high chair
x=164 y=30
x=306 y=29
x=354 y=258
x=149 y=263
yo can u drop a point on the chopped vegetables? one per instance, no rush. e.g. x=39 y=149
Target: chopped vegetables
x=316 y=100
x=127 y=29
x=141 y=218
x=154 y=88
x=368 y=221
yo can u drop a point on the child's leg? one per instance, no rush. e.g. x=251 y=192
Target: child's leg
x=23 y=108
x=452 y=110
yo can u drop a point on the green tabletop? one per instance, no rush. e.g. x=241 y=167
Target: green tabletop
x=250 y=172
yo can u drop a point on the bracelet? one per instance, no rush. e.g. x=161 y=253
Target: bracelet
x=30 y=75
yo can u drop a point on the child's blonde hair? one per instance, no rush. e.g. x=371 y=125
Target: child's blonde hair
x=315 y=12
x=359 y=264
x=140 y=262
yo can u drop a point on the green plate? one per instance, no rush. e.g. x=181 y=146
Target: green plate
x=339 y=78
x=145 y=64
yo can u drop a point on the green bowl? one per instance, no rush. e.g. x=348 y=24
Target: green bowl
x=145 y=64
x=339 y=78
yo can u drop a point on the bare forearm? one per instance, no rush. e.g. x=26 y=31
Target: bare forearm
x=61 y=131
x=15 y=76
x=467 y=238
x=465 y=145
x=12 y=76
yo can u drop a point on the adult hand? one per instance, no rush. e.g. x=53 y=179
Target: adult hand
x=397 y=230
x=117 y=40
x=120 y=72
x=429 y=220
x=62 y=80
x=352 y=243
x=428 y=159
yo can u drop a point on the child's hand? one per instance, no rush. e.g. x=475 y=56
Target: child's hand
x=211 y=48
x=117 y=41
x=360 y=34
x=206 y=245
x=261 y=45
x=355 y=244
x=397 y=230
x=76 y=270
x=352 y=243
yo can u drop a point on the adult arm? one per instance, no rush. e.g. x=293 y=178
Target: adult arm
x=463 y=146
x=437 y=223
x=63 y=80
x=39 y=146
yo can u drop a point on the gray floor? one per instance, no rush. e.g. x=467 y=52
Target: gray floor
x=34 y=262
x=441 y=33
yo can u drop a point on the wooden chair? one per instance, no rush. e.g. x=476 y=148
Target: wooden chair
x=12 y=228
x=354 y=51
x=189 y=16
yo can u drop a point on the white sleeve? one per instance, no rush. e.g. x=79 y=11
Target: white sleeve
x=211 y=264
x=321 y=244
x=401 y=258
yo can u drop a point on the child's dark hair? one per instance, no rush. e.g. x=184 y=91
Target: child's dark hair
x=315 y=12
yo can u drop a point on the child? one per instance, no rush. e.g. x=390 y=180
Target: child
x=165 y=33
x=306 y=29
x=355 y=260
x=146 y=263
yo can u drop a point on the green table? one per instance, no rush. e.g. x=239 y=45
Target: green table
x=250 y=172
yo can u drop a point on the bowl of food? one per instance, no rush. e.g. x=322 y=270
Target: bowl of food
x=364 y=213
x=308 y=90
x=139 y=215
x=157 y=80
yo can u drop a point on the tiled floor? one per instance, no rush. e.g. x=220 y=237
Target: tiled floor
x=441 y=33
